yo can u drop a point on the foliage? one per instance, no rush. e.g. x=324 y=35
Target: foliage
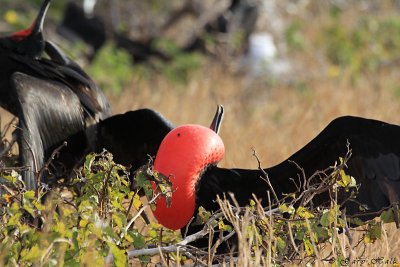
x=182 y=63
x=95 y=224
x=111 y=69
x=294 y=36
x=296 y=231
x=370 y=43
x=86 y=226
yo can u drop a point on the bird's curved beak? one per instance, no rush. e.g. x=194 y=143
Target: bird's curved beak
x=217 y=120
x=37 y=25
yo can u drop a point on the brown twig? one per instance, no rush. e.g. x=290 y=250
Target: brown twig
x=265 y=177
x=50 y=159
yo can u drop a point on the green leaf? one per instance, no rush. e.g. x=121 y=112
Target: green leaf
x=10 y=178
x=286 y=209
x=38 y=206
x=356 y=221
x=117 y=203
x=142 y=181
x=321 y=233
x=29 y=195
x=325 y=218
x=117 y=220
x=302 y=212
x=89 y=161
x=300 y=233
x=60 y=228
x=281 y=244
x=33 y=254
x=137 y=203
x=29 y=208
x=227 y=227
x=83 y=223
x=202 y=216
x=374 y=232
x=138 y=239
x=308 y=246
x=345 y=179
x=387 y=216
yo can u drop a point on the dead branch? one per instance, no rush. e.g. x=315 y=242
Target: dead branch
x=50 y=159
x=265 y=177
x=141 y=211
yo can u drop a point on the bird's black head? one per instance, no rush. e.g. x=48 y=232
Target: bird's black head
x=29 y=42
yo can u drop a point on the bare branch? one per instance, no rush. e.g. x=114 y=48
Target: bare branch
x=265 y=177
x=141 y=211
x=50 y=159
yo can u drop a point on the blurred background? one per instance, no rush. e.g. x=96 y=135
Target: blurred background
x=282 y=69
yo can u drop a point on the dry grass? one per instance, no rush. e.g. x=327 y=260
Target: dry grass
x=274 y=120
x=386 y=248
x=346 y=250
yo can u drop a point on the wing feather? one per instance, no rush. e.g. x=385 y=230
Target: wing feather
x=49 y=112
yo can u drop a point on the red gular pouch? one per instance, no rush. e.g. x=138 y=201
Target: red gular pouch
x=183 y=155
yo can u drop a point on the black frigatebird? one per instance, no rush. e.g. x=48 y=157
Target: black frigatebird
x=50 y=94
x=190 y=153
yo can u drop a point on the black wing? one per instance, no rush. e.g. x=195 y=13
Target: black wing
x=62 y=67
x=375 y=164
x=48 y=113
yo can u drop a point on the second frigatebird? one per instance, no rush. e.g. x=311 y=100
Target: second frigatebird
x=50 y=94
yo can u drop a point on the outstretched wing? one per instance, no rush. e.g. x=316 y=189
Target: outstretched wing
x=374 y=161
x=48 y=113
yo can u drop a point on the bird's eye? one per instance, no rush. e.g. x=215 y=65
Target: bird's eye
x=178 y=134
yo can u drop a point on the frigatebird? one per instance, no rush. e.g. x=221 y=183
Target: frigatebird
x=189 y=155
x=50 y=94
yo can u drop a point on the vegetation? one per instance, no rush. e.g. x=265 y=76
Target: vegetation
x=370 y=44
x=97 y=219
x=91 y=222
x=112 y=68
